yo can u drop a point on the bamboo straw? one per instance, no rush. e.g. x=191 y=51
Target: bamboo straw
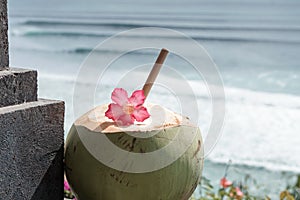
x=155 y=70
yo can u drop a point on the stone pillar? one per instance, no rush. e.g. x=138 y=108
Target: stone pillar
x=31 y=133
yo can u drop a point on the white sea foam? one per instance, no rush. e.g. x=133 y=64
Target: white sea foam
x=261 y=129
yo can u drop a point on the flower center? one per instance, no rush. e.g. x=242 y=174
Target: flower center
x=128 y=109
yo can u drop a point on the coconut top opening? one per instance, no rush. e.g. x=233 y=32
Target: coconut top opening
x=160 y=118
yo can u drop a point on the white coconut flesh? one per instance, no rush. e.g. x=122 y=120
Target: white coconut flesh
x=93 y=180
x=160 y=118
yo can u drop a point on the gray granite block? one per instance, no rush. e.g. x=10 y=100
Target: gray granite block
x=17 y=86
x=4 y=58
x=31 y=150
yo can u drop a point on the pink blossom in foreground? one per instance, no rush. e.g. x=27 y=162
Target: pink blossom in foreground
x=66 y=185
x=225 y=183
x=238 y=191
x=125 y=110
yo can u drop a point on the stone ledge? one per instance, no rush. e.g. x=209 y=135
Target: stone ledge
x=31 y=150
x=17 y=86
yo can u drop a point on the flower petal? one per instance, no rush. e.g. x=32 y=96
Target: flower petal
x=225 y=183
x=140 y=114
x=114 y=111
x=119 y=96
x=66 y=186
x=239 y=192
x=137 y=98
x=125 y=120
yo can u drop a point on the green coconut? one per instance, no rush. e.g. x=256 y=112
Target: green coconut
x=171 y=174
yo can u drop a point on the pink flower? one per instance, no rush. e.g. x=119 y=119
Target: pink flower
x=66 y=186
x=238 y=191
x=125 y=110
x=225 y=183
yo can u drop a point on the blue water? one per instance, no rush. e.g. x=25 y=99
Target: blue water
x=254 y=43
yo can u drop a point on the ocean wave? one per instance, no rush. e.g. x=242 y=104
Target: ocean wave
x=127 y=25
x=84 y=50
x=59 y=33
x=261 y=164
x=157 y=16
x=42 y=33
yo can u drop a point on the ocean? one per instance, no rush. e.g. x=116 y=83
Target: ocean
x=254 y=43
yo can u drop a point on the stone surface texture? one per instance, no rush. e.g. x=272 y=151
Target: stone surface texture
x=4 y=58
x=31 y=150
x=17 y=86
x=31 y=132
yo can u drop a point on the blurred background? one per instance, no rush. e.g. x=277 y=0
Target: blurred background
x=255 y=44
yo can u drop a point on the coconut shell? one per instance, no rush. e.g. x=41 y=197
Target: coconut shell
x=91 y=179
